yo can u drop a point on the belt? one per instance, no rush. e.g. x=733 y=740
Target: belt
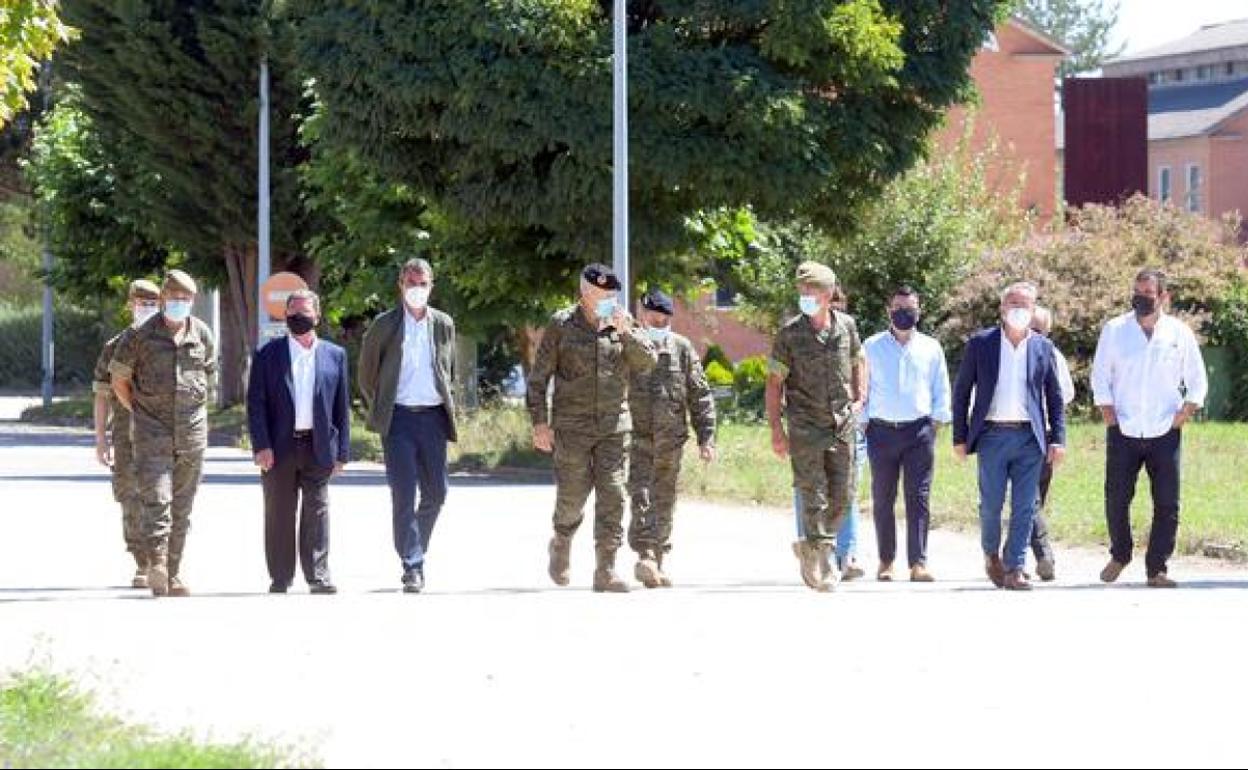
x=417 y=409
x=303 y=434
x=898 y=425
x=1010 y=424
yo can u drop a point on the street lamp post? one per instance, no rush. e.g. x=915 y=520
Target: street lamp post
x=619 y=240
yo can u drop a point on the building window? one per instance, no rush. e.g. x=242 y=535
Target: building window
x=1163 y=184
x=1204 y=72
x=1177 y=77
x=990 y=42
x=1193 y=188
x=1154 y=78
x=1230 y=68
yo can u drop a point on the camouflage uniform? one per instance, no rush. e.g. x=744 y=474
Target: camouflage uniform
x=171 y=379
x=659 y=402
x=817 y=368
x=590 y=418
x=125 y=484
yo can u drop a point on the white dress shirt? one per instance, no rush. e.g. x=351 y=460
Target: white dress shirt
x=418 y=384
x=1146 y=380
x=1009 y=402
x=1064 y=380
x=303 y=378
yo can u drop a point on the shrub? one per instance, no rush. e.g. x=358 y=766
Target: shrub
x=718 y=375
x=78 y=335
x=716 y=355
x=750 y=383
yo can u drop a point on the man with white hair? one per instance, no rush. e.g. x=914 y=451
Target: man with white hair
x=1017 y=419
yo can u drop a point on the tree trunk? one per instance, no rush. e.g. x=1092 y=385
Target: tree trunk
x=239 y=322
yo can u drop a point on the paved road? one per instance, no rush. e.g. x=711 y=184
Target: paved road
x=737 y=666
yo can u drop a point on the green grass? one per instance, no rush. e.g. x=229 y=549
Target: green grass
x=46 y=722
x=1215 y=499
x=75 y=409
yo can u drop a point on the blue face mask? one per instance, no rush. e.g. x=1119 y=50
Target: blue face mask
x=656 y=334
x=808 y=305
x=178 y=310
x=605 y=308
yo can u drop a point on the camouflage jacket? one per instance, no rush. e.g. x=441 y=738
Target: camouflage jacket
x=660 y=399
x=817 y=368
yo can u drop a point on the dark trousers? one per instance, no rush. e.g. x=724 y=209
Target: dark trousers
x=1040 y=544
x=415 y=451
x=1123 y=458
x=294 y=476
x=908 y=452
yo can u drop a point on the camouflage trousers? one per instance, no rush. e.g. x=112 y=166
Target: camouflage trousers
x=823 y=472
x=126 y=487
x=652 y=474
x=585 y=464
x=168 y=482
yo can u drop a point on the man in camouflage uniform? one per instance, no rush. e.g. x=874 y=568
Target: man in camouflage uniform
x=817 y=372
x=659 y=401
x=143 y=302
x=162 y=371
x=590 y=350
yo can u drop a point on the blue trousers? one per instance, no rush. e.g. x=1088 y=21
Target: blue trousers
x=415 y=451
x=1008 y=456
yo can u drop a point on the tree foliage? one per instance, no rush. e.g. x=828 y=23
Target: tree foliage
x=1083 y=26
x=498 y=113
x=29 y=31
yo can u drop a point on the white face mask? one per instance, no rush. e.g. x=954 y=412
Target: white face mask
x=417 y=296
x=658 y=334
x=1018 y=318
x=142 y=313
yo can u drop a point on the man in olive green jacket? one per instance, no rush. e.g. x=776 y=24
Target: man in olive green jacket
x=407 y=374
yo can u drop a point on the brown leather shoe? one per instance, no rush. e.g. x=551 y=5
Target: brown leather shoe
x=995 y=570
x=1015 y=581
x=919 y=574
x=885 y=573
x=852 y=570
x=1161 y=580
x=1112 y=571
x=1046 y=569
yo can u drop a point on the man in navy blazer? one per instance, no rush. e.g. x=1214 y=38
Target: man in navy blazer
x=299 y=417
x=1016 y=421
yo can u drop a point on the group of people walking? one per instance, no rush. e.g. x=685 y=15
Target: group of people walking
x=615 y=400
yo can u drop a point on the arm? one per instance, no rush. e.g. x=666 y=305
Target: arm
x=701 y=403
x=777 y=372
x=101 y=387
x=1055 y=409
x=210 y=365
x=1103 y=377
x=942 y=409
x=1063 y=377
x=258 y=412
x=342 y=411
x=639 y=355
x=1195 y=381
x=962 y=388
x=370 y=365
x=544 y=363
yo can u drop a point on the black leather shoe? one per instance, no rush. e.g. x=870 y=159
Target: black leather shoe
x=323 y=588
x=413 y=581
x=277 y=588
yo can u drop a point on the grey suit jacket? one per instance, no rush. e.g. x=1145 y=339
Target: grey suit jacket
x=381 y=358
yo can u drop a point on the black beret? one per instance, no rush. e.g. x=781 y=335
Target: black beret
x=601 y=276
x=658 y=302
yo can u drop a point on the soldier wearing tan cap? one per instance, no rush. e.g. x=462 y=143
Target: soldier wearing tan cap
x=112 y=420
x=162 y=371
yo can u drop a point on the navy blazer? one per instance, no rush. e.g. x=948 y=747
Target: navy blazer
x=271 y=403
x=978 y=372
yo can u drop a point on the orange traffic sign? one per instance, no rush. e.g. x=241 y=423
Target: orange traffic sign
x=275 y=291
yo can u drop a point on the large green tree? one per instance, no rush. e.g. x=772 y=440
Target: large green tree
x=1083 y=26
x=29 y=31
x=175 y=83
x=498 y=113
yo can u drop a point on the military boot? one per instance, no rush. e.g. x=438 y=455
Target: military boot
x=807 y=554
x=158 y=571
x=664 y=579
x=605 y=579
x=647 y=570
x=560 y=550
x=176 y=586
x=140 y=570
x=829 y=575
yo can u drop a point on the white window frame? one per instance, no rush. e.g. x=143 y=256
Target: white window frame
x=1193 y=201
x=1165 y=184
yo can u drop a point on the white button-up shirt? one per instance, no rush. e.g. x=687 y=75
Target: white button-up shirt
x=1064 y=379
x=303 y=378
x=906 y=382
x=1146 y=380
x=418 y=384
x=1009 y=402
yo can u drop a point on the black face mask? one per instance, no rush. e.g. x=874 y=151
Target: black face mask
x=904 y=318
x=300 y=323
x=1143 y=305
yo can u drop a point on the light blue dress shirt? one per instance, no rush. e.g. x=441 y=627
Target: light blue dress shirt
x=906 y=382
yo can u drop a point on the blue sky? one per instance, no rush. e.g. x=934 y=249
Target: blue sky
x=1146 y=23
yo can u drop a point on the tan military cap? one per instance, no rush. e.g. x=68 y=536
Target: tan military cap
x=815 y=274
x=177 y=279
x=143 y=288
